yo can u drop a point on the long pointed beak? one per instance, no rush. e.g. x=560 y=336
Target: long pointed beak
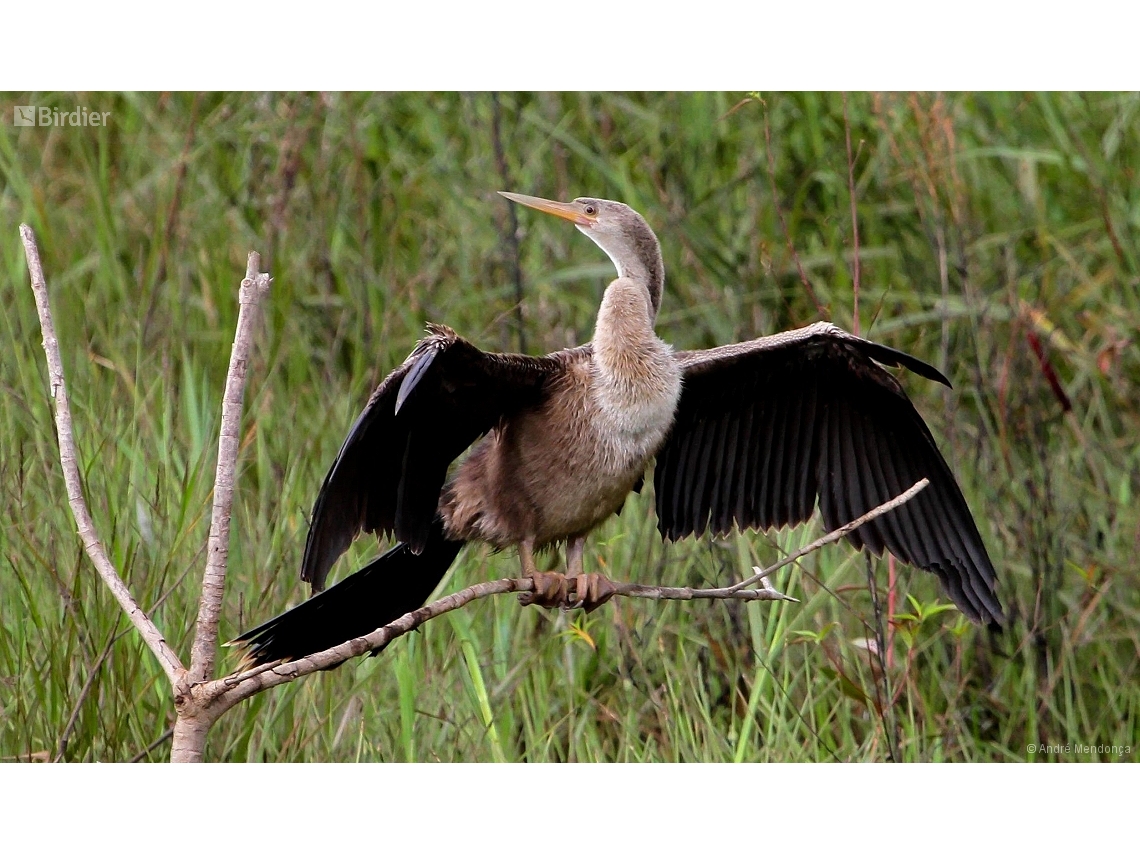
x=571 y=211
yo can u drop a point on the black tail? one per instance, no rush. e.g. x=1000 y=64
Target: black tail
x=397 y=582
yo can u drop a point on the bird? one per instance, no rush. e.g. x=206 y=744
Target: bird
x=751 y=435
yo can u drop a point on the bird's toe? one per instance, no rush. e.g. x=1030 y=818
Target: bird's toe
x=593 y=590
x=551 y=591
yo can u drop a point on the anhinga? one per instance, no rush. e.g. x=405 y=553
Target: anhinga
x=747 y=435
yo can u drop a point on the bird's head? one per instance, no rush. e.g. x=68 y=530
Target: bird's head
x=619 y=230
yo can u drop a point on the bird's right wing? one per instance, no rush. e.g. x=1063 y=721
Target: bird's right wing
x=388 y=474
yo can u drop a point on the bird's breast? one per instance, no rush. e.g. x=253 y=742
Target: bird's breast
x=560 y=470
x=634 y=401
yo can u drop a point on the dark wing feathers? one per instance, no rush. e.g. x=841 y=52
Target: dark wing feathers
x=389 y=472
x=764 y=429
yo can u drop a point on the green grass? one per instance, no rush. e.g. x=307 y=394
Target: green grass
x=376 y=214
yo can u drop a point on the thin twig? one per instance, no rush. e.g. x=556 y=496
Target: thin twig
x=67 y=458
x=658 y=592
x=882 y=698
x=236 y=687
x=205 y=649
x=854 y=216
x=819 y=307
x=146 y=751
x=73 y=719
x=512 y=234
x=832 y=536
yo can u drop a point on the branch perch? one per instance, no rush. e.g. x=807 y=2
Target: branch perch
x=230 y=690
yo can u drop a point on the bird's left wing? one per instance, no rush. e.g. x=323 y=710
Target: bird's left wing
x=765 y=427
x=388 y=474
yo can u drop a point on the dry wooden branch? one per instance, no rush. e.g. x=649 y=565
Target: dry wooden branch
x=228 y=691
x=832 y=536
x=194 y=715
x=205 y=649
x=193 y=719
x=67 y=458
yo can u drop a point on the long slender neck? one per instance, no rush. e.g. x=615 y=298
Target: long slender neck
x=637 y=257
x=646 y=268
x=624 y=341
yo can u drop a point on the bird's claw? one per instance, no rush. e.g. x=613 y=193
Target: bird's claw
x=551 y=591
x=592 y=590
x=556 y=591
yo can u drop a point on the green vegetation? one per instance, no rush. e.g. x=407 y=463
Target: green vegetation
x=989 y=225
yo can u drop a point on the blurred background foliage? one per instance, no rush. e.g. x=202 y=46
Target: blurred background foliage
x=996 y=239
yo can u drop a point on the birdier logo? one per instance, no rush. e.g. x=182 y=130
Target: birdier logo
x=47 y=117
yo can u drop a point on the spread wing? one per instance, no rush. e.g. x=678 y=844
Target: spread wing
x=388 y=474
x=765 y=428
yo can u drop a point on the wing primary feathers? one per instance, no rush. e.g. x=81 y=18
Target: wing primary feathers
x=786 y=462
x=415 y=374
x=878 y=455
x=912 y=536
x=697 y=506
x=928 y=515
x=676 y=501
x=889 y=356
x=852 y=476
x=865 y=470
x=835 y=473
x=712 y=467
x=766 y=428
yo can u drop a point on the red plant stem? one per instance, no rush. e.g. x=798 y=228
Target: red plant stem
x=1047 y=370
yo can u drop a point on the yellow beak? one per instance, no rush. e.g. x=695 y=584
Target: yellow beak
x=572 y=211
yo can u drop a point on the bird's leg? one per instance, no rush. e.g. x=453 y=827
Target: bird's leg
x=590 y=589
x=574 y=551
x=550 y=589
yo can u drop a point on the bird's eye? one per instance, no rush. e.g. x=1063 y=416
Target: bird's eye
x=591 y=210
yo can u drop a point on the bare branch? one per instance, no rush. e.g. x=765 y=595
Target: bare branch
x=230 y=690
x=67 y=457
x=204 y=652
x=656 y=592
x=236 y=687
x=832 y=536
